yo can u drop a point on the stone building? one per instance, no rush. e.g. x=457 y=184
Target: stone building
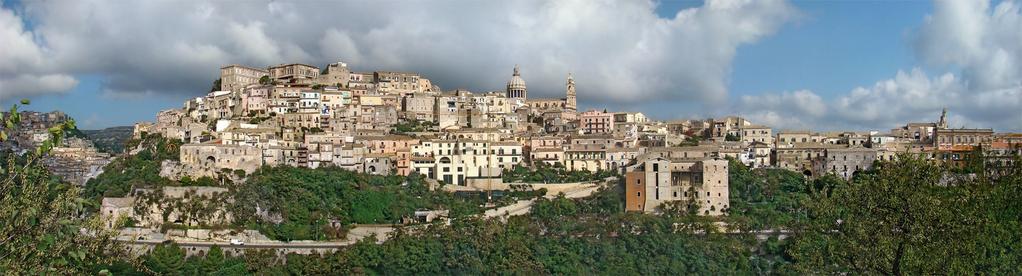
x=294 y=73
x=337 y=74
x=800 y=156
x=234 y=77
x=653 y=182
x=845 y=162
x=565 y=108
x=397 y=83
x=947 y=138
x=419 y=107
x=756 y=133
x=307 y=120
x=198 y=158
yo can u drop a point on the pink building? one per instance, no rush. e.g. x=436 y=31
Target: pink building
x=593 y=122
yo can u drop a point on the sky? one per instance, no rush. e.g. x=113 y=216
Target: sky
x=820 y=65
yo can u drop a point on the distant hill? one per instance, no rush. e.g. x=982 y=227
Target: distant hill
x=110 y=139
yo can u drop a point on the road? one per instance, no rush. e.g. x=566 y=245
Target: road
x=523 y=207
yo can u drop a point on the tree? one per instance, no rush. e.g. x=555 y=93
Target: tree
x=166 y=259
x=909 y=217
x=213 y=260
x=264 y=80
x=216 y=86
x=43 y=231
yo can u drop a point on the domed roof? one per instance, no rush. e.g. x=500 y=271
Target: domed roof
x=516 y=81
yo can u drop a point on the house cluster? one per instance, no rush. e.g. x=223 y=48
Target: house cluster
x=401 y=123
x=75 y=159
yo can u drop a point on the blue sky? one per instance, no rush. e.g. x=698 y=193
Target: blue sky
x=827 y=48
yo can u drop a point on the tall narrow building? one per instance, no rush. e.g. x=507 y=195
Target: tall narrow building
x=569 y=100
x=943 y=119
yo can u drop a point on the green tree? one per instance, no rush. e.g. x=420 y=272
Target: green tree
x=909 y=217
x=216 y=86
x=166 y=259
x=42 y=230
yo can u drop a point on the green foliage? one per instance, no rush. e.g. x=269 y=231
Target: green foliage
x=141 y=169
x=690 y=141
x=308 y=200
x=166 y=259
x=913 y=217
x=544 y=173
x=765 y=198
x=413 y=126
x=580 y=237
x=42 y=231
x=216 y=86
x=112 y=139
x=732 y=137
x=264 y=80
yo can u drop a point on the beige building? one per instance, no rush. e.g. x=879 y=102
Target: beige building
x=397 y=83
x=214 y=157
x=756 y=133
x=845 y=162
x=948 y=138
x=235 y=77
x=656 y=181
x=337 y=75
x=419 y=107
x=459 y=161
x=294 y=73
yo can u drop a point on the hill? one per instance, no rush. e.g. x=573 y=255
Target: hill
x=110 y=139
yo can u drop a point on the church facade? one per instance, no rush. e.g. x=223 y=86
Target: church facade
x=566 y=107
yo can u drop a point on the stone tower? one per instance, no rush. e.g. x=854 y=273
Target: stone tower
x=942 y=124
x=569 y=101
x=516 y=86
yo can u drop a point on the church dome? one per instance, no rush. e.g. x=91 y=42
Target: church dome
x=516 y=81
x=516 y=86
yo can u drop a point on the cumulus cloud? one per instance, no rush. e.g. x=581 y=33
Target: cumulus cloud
x=620 y=51
x=798 y=109
x=24 y=71
x=984 y=43
x=24 y=85
x=908 y=97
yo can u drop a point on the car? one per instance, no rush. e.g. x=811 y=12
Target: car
x=237 y=242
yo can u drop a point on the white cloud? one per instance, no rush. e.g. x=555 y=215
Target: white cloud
x=24 y=85
x=984 y=43
x=23 y=69
x=798 y=109
x=620 y=51
x=908 y=97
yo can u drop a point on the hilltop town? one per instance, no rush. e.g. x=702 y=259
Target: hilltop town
x=386 y=123
x=301 y=161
